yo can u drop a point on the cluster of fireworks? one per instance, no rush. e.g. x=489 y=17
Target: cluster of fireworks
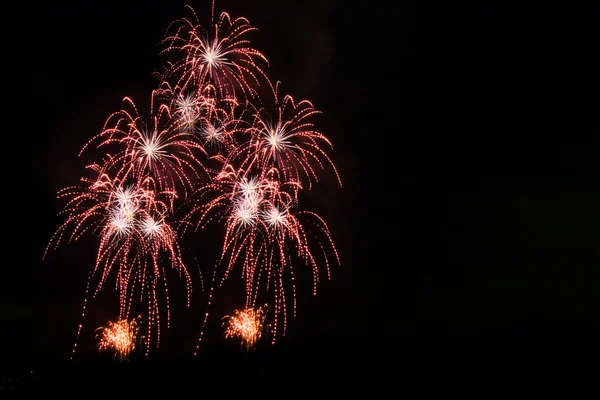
x=220 y=145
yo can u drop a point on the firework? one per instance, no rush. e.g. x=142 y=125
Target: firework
x=246 y=325
x=220 y=55
x=130 y=214
x=284 y=137
x=119 y=337
x=160 y=146
x=265 y=235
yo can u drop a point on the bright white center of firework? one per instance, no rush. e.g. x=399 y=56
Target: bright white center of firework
x=248 y=201
x=124 y=196
x=276 y=139
x=246 y=214
x=186 y=104
x=152 y=147
x=186 y=109
x=122 y=216
x=274 y=217
x=214 y=56
x=245 y=211
x=121 y=223
x=212 y=133
x=151 y=227
x=249 y=187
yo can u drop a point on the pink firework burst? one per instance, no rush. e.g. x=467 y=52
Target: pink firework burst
x=220 y=55
x=159 y=146
x=285 y=137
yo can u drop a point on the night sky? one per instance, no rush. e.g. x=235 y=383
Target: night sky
x=468 y=222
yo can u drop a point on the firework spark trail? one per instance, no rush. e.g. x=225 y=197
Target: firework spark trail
x=119 y=337
x=246 y=325
x=209 y=152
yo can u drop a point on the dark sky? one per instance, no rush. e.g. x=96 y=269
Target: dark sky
x=469 y=210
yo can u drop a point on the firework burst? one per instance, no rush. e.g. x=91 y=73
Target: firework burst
x=284 y=136
x=247 y=325
x=220 y=55
x=119 y=337
x=161 y=146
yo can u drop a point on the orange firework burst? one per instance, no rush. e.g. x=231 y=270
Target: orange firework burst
x=119 y=337
x=246 y=325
